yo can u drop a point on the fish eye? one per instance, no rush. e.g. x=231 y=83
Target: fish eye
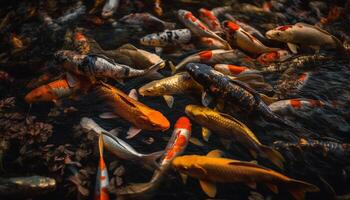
x=278 y=34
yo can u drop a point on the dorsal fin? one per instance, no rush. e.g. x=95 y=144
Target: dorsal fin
x=215 y=153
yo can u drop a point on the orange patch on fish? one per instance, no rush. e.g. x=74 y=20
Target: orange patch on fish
x=295 y=103
x=283 y=28
x=232 y=26
x=183 y=122
x=303 y=77
x=190 y=16
x=236 y=69
x=80 y=37
x=205 y=55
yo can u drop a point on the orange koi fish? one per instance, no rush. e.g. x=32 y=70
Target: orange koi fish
x=58 y=89
x=133 y=111
x=212 y=169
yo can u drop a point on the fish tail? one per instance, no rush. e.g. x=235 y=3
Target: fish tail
x=152 y=72
x=151 y=159
x=298 y=188
x=273 y=155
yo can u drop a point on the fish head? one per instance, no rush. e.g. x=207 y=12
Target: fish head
x=182 y=13
x=151 y=40
x=281 y=33
x=154 y=88
x=183 y=123
x=200 y=73
x=189 y=165
x=197 y=113
x=157 y=120
x=40 y=94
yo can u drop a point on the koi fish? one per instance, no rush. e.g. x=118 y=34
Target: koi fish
x=167 y=38
x=234 y=70
x=235 y=94
x=293 y=84
x=227 y=127
x=175 y=147
x=54 y=91
x=133 y=111
x=197 y=27
x=81 y=43
x=147 y=20
x=212 y=169
x=304 y=35
x=179 y=83
x=119 y=147
x=210 y=19
x=102 y=180
x=109 y=8
x=274 y=56
x=213 y=57
x=26 y=187
x=241 y=39
x=95 y=66
x=292 y=105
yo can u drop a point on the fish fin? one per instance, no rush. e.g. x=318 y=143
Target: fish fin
x=196 y=142
x=293 y=47
x=115 y=131
x=272 y=187
x=152 y=72
x=128 y=46
x=158 y=50
x=208 y=187
x=206 y=99
x=226 y=143
x=184 y=178
x=206 y=134
x=151 y=159
x=298 y=188
x=172 y=67
x=132 y=132
x=268 y=100
x=133 y=94
x=273 y=155
x=100 y=145
x=72 y=81
x=169 y=100
x=108 y=115
x=215 y=153
x=252 y=185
